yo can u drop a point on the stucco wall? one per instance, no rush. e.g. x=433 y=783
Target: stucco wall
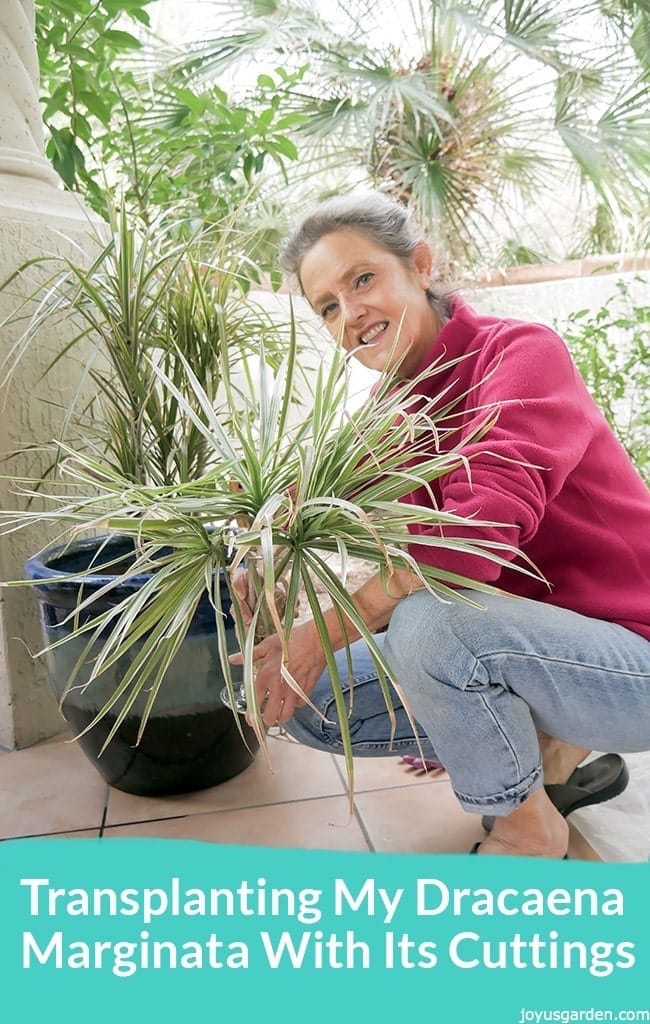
x=29 y=413
x=550 y=301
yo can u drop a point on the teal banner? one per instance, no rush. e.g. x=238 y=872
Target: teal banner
x=119 y=930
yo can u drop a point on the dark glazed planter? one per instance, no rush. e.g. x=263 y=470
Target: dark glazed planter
x=191 y=740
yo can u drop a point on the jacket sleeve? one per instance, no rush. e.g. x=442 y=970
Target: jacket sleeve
x=520 y=466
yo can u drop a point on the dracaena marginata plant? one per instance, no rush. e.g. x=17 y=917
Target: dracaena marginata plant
x=133 y=301
x=287 y=495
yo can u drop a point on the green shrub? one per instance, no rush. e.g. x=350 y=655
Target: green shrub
x=612 y=350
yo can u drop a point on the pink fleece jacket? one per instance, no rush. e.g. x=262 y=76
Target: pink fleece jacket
x=551 y=468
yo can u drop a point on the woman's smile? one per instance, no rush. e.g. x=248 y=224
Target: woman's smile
x=366 y=337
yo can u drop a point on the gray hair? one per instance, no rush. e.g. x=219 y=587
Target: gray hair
x=385 y=222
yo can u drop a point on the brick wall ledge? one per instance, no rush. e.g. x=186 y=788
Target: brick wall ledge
x=607 y=263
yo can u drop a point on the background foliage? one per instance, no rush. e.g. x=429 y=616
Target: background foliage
x=84 y=81
x=611 y=348
x=119 y=126
x=510 y=137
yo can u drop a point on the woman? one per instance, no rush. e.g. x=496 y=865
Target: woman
x=548 y=677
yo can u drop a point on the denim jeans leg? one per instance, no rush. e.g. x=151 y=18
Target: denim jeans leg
x=481 y=681
x=369 y=722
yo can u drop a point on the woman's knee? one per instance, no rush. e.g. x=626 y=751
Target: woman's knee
x=410 y=622
x=431 y=638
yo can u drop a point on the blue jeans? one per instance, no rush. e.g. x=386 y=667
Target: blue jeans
x=481 y=682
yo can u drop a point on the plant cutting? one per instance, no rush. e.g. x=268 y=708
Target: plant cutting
x=283 y=495
x=140 y=303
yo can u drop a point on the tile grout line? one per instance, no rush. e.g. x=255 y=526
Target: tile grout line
x=357 y=812
x=102 y=823
x=69 y=832
x=226 y=810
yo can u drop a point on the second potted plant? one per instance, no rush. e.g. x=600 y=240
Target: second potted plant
x=141 y=303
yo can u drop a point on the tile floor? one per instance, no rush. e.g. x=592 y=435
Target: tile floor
x=52 y=790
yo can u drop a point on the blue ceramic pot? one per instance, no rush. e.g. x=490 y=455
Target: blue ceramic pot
x=191 y=740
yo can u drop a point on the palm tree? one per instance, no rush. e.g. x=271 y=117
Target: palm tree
x=474 y=113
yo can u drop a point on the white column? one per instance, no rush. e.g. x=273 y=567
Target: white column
x=36 y=215
x=21 y=126
x=28 y=183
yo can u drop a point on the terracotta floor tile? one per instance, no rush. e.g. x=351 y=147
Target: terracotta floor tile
x=50 y=787
x=296 y=773
x=417 y=819
x=311 y=825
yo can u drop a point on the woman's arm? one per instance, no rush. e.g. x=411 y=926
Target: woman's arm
x=306 y=662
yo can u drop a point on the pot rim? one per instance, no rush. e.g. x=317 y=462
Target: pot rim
x=38 y=569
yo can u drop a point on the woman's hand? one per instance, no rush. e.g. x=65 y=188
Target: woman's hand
x=276 y=698
x=239 y=581
x=306 y=661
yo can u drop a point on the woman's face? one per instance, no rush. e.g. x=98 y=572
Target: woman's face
x=373 y=300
